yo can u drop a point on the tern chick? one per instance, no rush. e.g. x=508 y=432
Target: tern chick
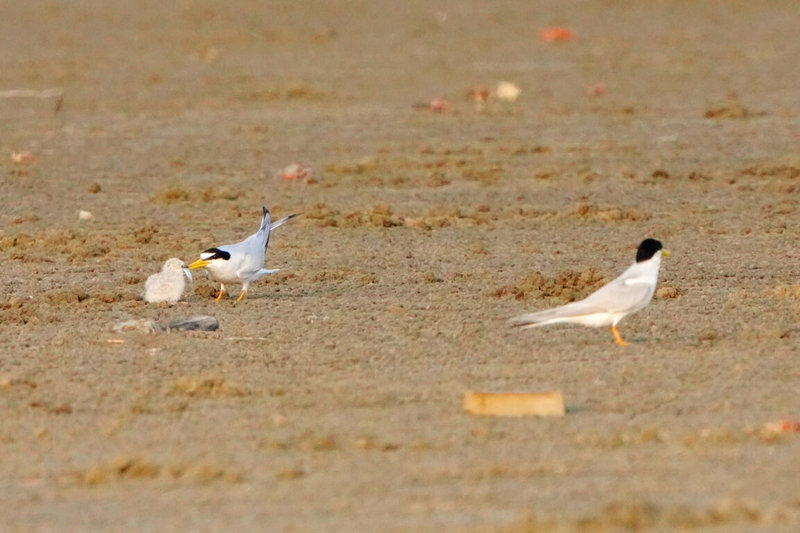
x=167 y=285
x=629 y=293
x=242 y=262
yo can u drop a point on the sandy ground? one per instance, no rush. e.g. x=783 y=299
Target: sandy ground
x=330 y=399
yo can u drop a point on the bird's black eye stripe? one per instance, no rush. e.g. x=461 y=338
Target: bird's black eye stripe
x=216 y=253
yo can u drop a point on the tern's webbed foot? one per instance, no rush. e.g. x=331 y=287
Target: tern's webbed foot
x=617 y=337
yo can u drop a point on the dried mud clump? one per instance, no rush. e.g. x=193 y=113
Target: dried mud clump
x=446 y=217
x=587 y=211
x=145 y=234
x=361 y=277
x=525 y=149
x=525 y=213
x=568 y=286
x=53 y=408
x=379 y=216
x=171 y=194
x=457 y=164
x=376 y=217
x=307 y=441
x=365 y=165
x=431 y=168
x=732 y=108
x=207 y=387
x=698 y=176
x=174 y=193
x=138 y=468
x=379 y=172
x=649 y=516
x=546 y=174
x=298 y=91
x=321 y=215
x=784 y=291
x=693 y=175
x=327 y=276
x=20 y=240
x=55 y=304
x=639 y=516
x=666 y=292
x=8 y=382
x=25 y=218
x=64 y=296
x=76 y=246
x=619 y=440
x=777 y=171
x=121 y=468
x=18 y=311
x=290 y=473
x=776 y=178
x=206 y=289
x=660 y=173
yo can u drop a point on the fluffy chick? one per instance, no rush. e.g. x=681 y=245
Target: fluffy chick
x=167 y=285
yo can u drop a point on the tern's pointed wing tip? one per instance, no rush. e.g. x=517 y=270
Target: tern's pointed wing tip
x=522 y=321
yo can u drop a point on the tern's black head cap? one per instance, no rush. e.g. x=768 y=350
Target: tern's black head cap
x=215 y=253
x=647 y=250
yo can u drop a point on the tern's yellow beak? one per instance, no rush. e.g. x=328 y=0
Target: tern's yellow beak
x=200 y=263
x=664 y=253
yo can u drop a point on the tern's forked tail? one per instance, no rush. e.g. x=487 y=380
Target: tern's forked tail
x=267 y=225
x=282 y=221
x=265 y=220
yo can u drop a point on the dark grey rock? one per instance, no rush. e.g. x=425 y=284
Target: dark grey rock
x=192 y=323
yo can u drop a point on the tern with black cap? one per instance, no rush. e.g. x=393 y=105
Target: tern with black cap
x=628 y=293
x=242 y=262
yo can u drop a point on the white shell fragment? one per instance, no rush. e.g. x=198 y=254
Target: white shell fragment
x=85 y=215
x=507 y=91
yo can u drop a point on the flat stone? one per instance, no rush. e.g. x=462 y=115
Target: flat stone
x=142 y=325
x=192 y=323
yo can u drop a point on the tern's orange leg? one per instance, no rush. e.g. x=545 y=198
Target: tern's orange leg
x=617 y=336
x=219 y=294
x=241 y=296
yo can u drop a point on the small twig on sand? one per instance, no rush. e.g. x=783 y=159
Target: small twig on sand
x=57 y=94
